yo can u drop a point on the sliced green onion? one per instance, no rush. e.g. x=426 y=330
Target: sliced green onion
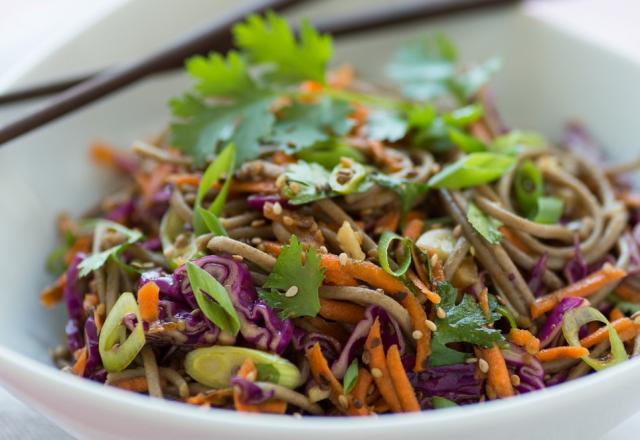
x=350 y=377
x=213 y=299
x=550 y=210
x=223 y=164
x=215 y=366
x=574 y=319
x=440 y=402
x=528 y=185
x=117 y=350
x=473 y=170
x=328 y=154
x=517 y=141
x=171 y=226
x=212 y=222
x=347 y=179
x=267 y=373
x=464 y=116
x=383 y=253
x=465 y=142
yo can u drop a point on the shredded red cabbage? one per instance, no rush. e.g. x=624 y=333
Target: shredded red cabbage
x=73 y=300
x=553 y=324
x=456 y=382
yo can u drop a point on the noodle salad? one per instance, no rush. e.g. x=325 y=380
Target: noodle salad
x=301 y=241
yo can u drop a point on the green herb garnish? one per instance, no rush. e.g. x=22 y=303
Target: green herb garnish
x=484 y=225
x=96 y=261
x=473 y=170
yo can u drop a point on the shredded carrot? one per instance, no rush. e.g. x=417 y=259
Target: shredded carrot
x=627 y=293
x=51 y=295
x=358 y=395
x=248 y=371
x=413 y=228
x=562 y=352
x=149 y=301
x=360 y=115
x=216 y=398
x=525 y=339
x=483 y=300
x=514 y=239
x=184 y=179
x=378 y=367
x=373 y=275
x=388 y=222
x=136 y=384
x=430 y=295
x=99 y=320
x=267 y=186
x=621 y=325
x=403 y=388
x=102 y=154
x=437 y=271
x=341 y=77
x=81 y=244
x=498 y=377
x=419 y=265
x=615 y=313
x=585 y=287
x=81 y=362
x=282 y=158
x=323 y=375
x=421 y=333
x=341 y=311
x=335 y=273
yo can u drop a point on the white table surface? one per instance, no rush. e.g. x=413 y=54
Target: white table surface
x=25 y=24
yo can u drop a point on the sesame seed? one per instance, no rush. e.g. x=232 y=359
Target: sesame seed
x=295 y=187
x=472 y=251
x=471 y=360
x=434 y=260
x=346 y=162
x=297 y=415
x=432 y=325
x=343 y=259
x=417 y=334
x=256 y=240
x=483 y=365
x=291 y=291
x=366 y=358
x=343 y=401
x=237 y=257
x=440 y=313
x=515 y=380
x=323 y=250
x=376 y=372
x=379 y=290
x=281 y=180
x=288 y=221
x=277 y=208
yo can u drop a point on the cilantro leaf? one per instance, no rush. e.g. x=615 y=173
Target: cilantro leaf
x=484 y=225
x=290 y=273
x=350 y=377
x=303 y=125
x=222 y=77
x=386 y=125
x=96 y=261
x=312 y=183
x=408 y=191
x=270 y=40
x=328 y=153
x=464 y=322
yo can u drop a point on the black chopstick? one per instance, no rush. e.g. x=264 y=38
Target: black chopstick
x=218 y=38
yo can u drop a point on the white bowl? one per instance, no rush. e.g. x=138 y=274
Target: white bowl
x=549 y=76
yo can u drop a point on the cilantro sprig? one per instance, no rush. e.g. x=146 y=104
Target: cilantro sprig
x=97 y=260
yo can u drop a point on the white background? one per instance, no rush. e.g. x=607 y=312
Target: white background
x=28 y=27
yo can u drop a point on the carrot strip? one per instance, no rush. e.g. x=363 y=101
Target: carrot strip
x=342 y=311
x=266 y=186
x=335 y=273
x=282 y=158
x=53 y=294
x=437 y=271
x=498 y=377
x=563 y=352
x=323 y=375
x=514 y=239
x=136 y=384
x=81 y=362
x=378 y=367
x=431 y=296
x=388 y=222
x=620 y=325
x=483 y=301
x=184 y=179
x=373 y=275
x=585 y=287
x=248 y=371
x=149 y=301
x=421 y=333
x=216 y=398
x=358 y=396
x=615 y=314
x=419 y=265
x=81 y=244
x=404 y=390
x=341 y=77
x=628 y=293
x=360 y=115
x=525 y=339
x=413 y=228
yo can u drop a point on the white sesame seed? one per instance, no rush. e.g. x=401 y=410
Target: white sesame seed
x=281 y=180
x=483 y=365
x=366 y=358
x=515 y=380
x=323 y=250
x=343 y=401
x=379 y=290
x=471 y=360
x=376 y=372
x=346 y=162
x=237 y=257
x=417 y=334
x=434 y=260
x=288 y=221
x=297 y=415
x=295 y=187
x=291 y=292
x=256 y=240
x=343 y=259
x=432 y=325
x=440 y=313
x=277 y=208
x=472 y=251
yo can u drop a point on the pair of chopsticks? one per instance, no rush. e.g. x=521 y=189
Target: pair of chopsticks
x=77 y=92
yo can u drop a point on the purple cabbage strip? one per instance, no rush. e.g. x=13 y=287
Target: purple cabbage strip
x=579 y=141
x=527 y=367
x=169 y=289
x=302 y=340
x=260 y=326
x=457 y=383
x=389 y=329
x=557 y=378
x=553 y=324
x=73 y=300
x=577 y=268
x=250 y=393
x=152 y=244
x=535 y=277
x=93 y=354
x=257 y=201
x=121 y=211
